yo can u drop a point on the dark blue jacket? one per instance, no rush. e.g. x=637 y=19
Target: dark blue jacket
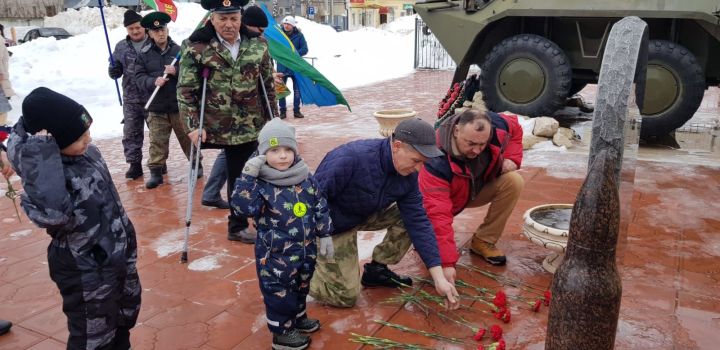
x=298 y=40
x=288 y=218
x=149 y=65
x=359 y=179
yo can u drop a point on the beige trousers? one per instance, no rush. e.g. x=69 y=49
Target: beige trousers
x=502 y=194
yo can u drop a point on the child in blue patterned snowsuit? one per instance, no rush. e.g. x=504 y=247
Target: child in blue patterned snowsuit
x=278 y=191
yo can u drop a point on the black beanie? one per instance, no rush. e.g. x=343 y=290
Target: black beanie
x=60 y=115
x=131 y=17
x=254 y=16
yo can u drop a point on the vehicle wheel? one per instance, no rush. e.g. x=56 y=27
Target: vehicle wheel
x=675 y=87
x=526 y=74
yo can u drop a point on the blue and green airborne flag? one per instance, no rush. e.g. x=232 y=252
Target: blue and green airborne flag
x=314 y=87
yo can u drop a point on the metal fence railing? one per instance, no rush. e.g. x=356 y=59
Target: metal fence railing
x=429 y=53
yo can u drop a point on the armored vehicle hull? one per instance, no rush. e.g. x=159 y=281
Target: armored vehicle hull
x=535 y=54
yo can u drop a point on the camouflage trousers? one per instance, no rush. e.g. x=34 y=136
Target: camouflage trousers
x=101 y=300
x=337 y=282
x=161 y=126
x=133 y=131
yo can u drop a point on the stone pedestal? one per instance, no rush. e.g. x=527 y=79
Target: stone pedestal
x=586 y=288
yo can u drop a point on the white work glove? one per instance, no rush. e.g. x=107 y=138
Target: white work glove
x=252 y=166
x=326 y=248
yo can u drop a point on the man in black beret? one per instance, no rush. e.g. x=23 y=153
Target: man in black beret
x=134 y=98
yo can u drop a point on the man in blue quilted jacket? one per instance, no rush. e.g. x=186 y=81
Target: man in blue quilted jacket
x=372 y=185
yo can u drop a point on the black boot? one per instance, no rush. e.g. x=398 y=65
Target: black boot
x=200 y=171
x=307 y=325
x=283 y=114
x=134 y=172
x=164 y=169
x=5 y=326
x=378 y=275
x=155 y=178
x=292 y=340
x=298 y=114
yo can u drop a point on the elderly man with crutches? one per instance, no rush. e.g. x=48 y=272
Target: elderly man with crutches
x=234 y=112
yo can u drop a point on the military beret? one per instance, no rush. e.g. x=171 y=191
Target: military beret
x=155 y=20
x=224 y=6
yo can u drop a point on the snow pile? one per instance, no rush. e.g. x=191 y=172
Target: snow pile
x=77 y=66
x=85 y=19
x=527 y=125
x=359 y=57
x=402 y=25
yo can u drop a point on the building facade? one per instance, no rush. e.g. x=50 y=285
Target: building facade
x=28 y=12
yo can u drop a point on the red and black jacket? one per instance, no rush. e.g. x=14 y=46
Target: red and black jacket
x=446 y=182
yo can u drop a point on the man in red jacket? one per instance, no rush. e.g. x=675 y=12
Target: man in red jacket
x=481 y=150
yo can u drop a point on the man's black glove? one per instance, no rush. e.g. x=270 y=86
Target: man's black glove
x=116 y=71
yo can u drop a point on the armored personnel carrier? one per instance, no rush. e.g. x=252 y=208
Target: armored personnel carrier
x=534 y=54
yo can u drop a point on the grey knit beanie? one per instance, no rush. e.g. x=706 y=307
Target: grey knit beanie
x=277 y=133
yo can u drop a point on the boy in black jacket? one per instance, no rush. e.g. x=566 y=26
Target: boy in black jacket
x=68 y=191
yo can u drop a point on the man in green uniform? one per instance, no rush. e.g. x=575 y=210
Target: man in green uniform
x=240 y=80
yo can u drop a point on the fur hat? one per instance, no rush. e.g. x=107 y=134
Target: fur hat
x=254 y=16
x=62 y=117
x=277 y=133
x=131 y=17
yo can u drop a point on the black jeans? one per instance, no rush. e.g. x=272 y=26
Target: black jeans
x=236 y=156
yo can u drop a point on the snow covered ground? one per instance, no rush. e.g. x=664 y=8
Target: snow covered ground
x=77 y=66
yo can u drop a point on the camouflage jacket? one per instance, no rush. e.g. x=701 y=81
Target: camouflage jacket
x=235 y=108
x=125 y=56
x=74 y=199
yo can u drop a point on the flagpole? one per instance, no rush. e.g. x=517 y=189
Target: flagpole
x=107 y=41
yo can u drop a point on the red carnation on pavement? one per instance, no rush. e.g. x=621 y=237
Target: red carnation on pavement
x=506 y=316
x=479 y=335
x=501 y=345
x=537 y=305
x=496 y=332
x=500 y=299
x=548 y=295
x=499 y=314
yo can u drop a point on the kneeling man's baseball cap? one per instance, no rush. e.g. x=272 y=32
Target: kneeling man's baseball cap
x=418 y=134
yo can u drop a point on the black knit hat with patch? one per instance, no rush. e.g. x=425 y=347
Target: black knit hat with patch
x=60 y=115
x=131 y=17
